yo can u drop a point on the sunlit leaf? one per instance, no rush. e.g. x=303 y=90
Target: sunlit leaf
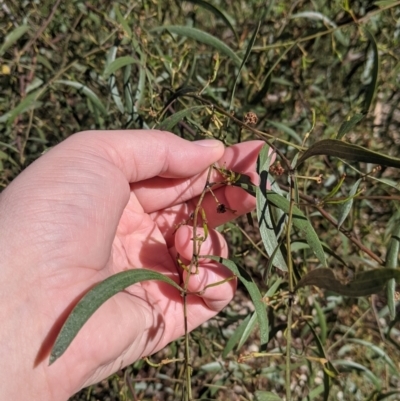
x=95 y=298
x=246 y=56
x=392 y=258
x=86 y=91
x=237 y=334
x=28 y=103
x=301 y=222
x=119 y=63
x=202 y=37
x=345 y=207
x=112 y=83
x=254 y=293
x=347 y=151
x=217 y=12
x=12 y=38
x=122 y=20
x=371 y=89
x=171 y=121
x=363 y=284
x=287 y=130
x=379 y=351
x=269 y=233
x=348 y=125
x=356 y=366
x=266 y=396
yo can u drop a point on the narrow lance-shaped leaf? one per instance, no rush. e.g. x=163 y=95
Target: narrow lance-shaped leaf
x=363 y=284
x=217 y=12
x=202 y=37
x=171 y=121
x=268 y=232
x=347 y=151
x=371 y=89
x=111 y=58
x=348 y=125
x=345 y=207
x=246 y=56
x=266 y=396
x=13 y=37
x=237 y=334
x=119 y=63
x=95 y=298
x=86 y=91
x=253 y=291
x=392 y=258
x=301 y=222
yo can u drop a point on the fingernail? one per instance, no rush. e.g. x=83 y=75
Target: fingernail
x=208 y=143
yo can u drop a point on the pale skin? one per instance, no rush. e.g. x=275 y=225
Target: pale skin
x=99 y=203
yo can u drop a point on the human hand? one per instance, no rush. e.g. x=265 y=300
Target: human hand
x=99 y=203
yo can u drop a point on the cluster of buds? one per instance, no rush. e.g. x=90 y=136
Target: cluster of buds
x=250 y=118
x=276 y=168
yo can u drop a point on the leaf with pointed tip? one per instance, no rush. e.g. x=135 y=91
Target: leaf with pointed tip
x=217 y=12
x=92 y=301
x=171 y=121
x=118 y=64
x=363 y=284
x=392 y=257
x=371 y=89
x=246 y=56
x=202 y=37
x=345 y=207
x=301 y=222
x=348 y=125
x=269 y=233
x=12 y=38
x=86 y=91
x=266 y=396
x=253 y=291
x=347 y=151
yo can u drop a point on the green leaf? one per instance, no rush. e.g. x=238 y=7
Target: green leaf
x=171 y=121
x=347 y=151
x=371 y=90
x=202 y=37
x=363 y=284
x=253 y=291
x=392 y=257
x=354 y=365
x=266 y=396
x=111 y=56
x=252 y=324
x=384 y=3
x=345 y=207
x=348 y=125
x=217 y=12
x=237 y=334
x=265 y=85
x=287 y=130
x=118 y=63
x=86 y=91
x=379 y=351
x=28 y=103
x=301 y=222
x=246 y=56
x=12 y=38
x=95 y=298
x=269 y=233
x=122 y=21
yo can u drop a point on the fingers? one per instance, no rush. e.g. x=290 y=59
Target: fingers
x=159 y=192
x=78 y=190
x=213 y=282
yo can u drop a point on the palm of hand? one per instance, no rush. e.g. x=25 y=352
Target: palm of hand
x=97 y=207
